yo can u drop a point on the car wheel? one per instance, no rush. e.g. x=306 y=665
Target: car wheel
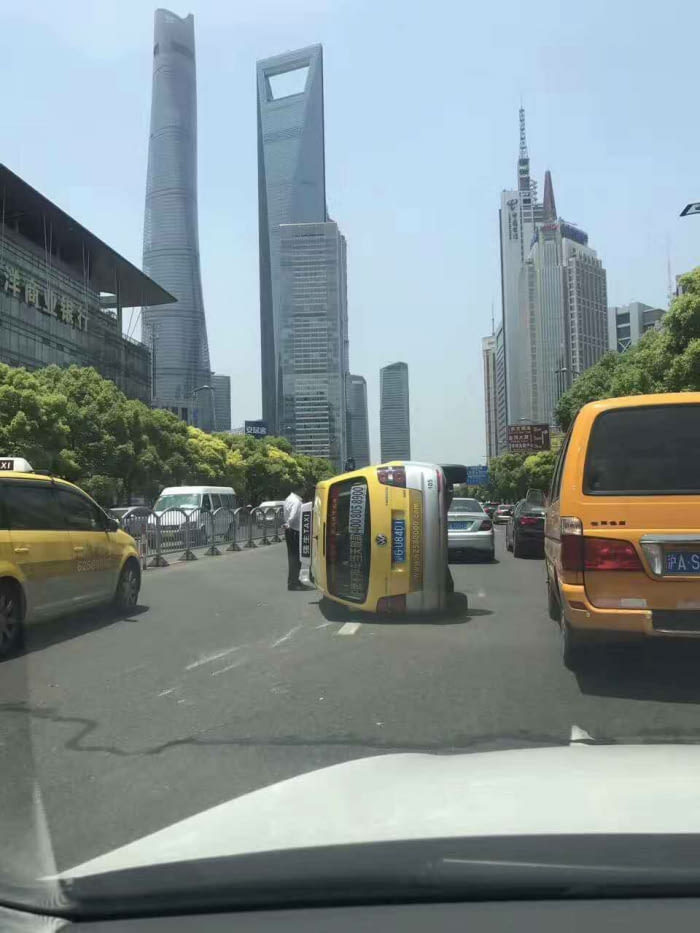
x=10 y=619
x=553 y=607
x=574 y=651
x=517 y=549
x=127 y=593
x=509 y=547
x=490 y=555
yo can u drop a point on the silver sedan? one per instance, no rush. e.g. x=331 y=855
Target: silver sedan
x=469 y=529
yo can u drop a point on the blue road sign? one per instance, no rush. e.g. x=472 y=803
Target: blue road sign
x=477 y=475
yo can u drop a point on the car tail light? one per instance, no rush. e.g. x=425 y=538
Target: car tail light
x=392 y=476
x=390 y=605
x=486 y=525
x=609 y=554
x=571 y=532
x=528 y=520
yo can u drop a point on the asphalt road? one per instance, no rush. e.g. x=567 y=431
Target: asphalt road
x=224 y=681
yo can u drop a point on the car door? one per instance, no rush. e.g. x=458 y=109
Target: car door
x=94 y=563
x=40 y=545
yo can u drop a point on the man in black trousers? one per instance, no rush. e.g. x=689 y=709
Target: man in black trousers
x=292 y=527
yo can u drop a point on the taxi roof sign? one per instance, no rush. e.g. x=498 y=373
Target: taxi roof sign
x=15 y=465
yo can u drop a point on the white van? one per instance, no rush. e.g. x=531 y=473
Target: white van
x=195 y=508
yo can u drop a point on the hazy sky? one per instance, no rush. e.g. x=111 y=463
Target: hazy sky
x=421 y=136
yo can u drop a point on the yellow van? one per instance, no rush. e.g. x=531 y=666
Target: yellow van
x=622 y=530
x=379 y=537
x=59 y=552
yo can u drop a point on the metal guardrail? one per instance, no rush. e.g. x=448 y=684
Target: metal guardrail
x=184 y=531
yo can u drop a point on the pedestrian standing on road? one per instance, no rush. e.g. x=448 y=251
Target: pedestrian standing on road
x=291 y=511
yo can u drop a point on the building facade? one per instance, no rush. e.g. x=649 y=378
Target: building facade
x=488 y=351
x=358 y=421
x=312 y=339
x=177 y=336
x=501 y=398
x=394 y=413
x=291 y=190
x=627 y=323
x=62 y=292
x=222 y=402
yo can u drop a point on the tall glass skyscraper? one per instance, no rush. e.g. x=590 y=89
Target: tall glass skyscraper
x=394 y=417
x=178 y=335
x=291 y=187
x=358 y=422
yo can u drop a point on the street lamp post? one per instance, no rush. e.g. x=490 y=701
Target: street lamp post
x=207 y=388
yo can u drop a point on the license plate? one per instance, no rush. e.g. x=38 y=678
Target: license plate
x=682 y=563
x=459 y=526
x=398 y=541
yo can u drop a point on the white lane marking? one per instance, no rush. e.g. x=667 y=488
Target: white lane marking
x=208 y=658
x=281 y=641
x=229 y=667
x=165 y=693
x=349 y=628
x=579 y=735
x=324 y=625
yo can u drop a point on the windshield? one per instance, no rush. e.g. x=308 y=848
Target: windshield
x=289 y=563
x=178 y=500
x=465 y=505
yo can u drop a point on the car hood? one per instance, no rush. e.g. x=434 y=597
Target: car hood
x=577 y=789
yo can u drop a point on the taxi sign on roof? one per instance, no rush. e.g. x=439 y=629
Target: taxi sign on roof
x=15 y=464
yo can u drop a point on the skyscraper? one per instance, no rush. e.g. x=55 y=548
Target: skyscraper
x=488 y=349
x=563 y=295
x=312 y=339
x=627 y=323
x=518 y=213
x=177 y=335
x=222 y=401
x=394 y=416
x=291 y=187
x=501 y=401
x=358 y=422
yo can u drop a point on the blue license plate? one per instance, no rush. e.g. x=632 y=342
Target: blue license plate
x=682 y=563
x=398 y=541
x=459 y=526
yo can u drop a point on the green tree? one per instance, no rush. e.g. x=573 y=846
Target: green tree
x=665 y=360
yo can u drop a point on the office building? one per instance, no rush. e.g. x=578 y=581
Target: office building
x=358 y=421
x=312 y=339
x=177 y=336
x=517 y=216
x=501 y=398
x=394 y=415
x=627 y=323
x=63 y=291
x=291 y=190
x=564 y=298
x=222 y=402
x=488 y=351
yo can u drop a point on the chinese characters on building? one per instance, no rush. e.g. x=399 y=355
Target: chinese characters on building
x=16 y=283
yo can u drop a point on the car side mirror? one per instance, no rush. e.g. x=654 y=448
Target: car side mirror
x=113 y=524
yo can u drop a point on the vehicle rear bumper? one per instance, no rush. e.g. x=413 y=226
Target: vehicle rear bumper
x=582 y=615
x=528 y=536
x=481 y=541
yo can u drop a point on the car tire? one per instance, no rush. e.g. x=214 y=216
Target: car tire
x=126 y=595
x=553 y=607
x=490 y=556
x=574 y=651
x=11 y=631
x=509 y=547
x=517 y=549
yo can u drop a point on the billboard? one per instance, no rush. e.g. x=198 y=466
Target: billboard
x=256 y=428
x=477 y=475
x=528 y=437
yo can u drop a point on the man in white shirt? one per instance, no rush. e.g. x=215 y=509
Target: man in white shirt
x=291 y=511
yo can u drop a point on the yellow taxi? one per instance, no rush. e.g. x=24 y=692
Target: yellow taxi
x=59 y=552
x=380 y=537
x=622 y=529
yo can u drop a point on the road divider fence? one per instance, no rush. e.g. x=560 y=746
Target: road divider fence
x=185 y=531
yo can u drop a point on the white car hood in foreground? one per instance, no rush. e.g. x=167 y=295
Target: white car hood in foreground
x=570 y=790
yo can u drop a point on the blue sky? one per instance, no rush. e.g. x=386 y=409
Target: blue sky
x=421 y=136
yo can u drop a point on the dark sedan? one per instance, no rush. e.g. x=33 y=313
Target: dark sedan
x=525 y=529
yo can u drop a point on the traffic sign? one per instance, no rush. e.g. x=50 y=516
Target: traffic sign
x=693 y=208
x=477 y=475
x=528 y=437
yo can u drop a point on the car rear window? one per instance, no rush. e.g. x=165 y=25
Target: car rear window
x=348 y=541
x=650 y=450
